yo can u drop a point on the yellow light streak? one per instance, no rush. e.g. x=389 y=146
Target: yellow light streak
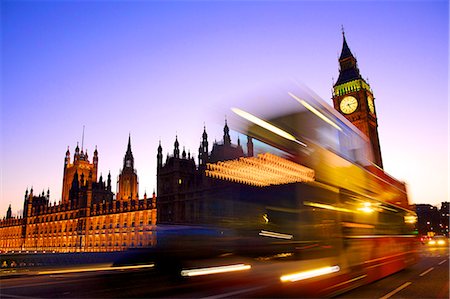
x=315 y=111
x=264 y=170
x=110 y=268
x=215 y=270
x=367 y=208
x=264 y=124
x=309 y=274
x=410 y=219
x=327 y=207
x=266 y=233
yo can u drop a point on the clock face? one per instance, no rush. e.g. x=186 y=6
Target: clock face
x=371 y=105
x=348 y=104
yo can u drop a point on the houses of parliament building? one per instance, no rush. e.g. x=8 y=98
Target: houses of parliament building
x=91 y=218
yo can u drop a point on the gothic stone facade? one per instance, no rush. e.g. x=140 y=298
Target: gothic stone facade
x=89 y=218
x=185 y=194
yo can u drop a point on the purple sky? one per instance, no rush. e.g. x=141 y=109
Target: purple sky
x=157 y=69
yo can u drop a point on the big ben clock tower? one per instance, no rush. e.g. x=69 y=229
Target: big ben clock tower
x=353 y=98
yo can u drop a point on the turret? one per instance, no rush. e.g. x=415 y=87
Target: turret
x=95 y=160
x=9 y=213
x=249 y=146
x=67 y=158
x=159 y=156
x=76 y=155
x=226 y=134
x=108 y=183
x=203 y=150
x=176 y=150
x=27 y=203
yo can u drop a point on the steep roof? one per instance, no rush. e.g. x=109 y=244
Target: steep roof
x=348 y=67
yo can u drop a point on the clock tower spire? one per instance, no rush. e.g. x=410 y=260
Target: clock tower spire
x=353 y=98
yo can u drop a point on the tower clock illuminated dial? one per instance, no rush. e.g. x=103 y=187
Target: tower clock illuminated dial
x=348 y=104
x=370 y=104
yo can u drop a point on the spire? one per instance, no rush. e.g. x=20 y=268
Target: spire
x=128 y=160
x=348 y=65
x=345 y=53
x=203 y=149
x=176 y=150
x=159 y=155
x=129 y=143
x=204 y=135
x=82 y=140
x=159 y=147
x=108 y=183
x=226 y=134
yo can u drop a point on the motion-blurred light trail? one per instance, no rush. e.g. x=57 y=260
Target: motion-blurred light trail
x=316 y=112
x=266 y=125
x=215 y=270
x=265 y=233
x=109 y=268
x=309 y=274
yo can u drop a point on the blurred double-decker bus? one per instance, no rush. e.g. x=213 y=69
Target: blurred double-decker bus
x=313 y=195
x=307 y=212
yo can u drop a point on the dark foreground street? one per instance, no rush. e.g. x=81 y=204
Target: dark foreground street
x=427 y=279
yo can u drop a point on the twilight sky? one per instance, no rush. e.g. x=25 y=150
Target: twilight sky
x=160 y=68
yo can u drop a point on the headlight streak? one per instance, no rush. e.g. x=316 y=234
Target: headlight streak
x=327 y=207
x=110 y=268
x=316 y=112
x=265 y=233
x=410 y=219
x=309 y=274
x=266 y=125
x=215 y=270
